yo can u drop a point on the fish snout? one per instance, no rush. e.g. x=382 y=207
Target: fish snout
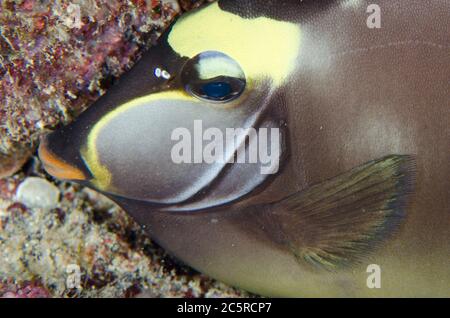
x=56 y=166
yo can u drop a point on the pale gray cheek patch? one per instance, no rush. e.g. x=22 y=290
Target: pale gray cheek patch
x=136 y=147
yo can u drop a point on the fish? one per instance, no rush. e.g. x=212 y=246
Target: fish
x=288 y=148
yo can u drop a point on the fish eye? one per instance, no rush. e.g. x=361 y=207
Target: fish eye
x=214 y=77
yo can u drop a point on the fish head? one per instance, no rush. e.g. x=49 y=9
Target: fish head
x=197 y=122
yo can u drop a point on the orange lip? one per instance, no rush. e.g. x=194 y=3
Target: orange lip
x=57 y=167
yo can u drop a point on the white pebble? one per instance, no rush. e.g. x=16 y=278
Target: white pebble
x=38 y=193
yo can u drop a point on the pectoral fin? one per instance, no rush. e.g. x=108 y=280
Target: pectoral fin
x=341 y=220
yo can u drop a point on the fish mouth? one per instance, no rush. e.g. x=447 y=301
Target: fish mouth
x=56 y=166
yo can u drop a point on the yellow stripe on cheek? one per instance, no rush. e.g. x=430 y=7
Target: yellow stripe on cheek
x=263 y=47
x=102 y=177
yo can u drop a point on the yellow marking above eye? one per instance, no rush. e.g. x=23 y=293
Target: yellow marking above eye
x=263 y=47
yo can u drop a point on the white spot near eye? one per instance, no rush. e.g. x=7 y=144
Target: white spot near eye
x=165 y=74
x=160 y=73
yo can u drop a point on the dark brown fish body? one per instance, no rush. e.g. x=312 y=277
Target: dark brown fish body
x=357 y=94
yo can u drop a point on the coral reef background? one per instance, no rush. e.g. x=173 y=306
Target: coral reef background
x=56 y=58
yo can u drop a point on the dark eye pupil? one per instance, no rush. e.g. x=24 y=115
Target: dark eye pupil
x=216 y=89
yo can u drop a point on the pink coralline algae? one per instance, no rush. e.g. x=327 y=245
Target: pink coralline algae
x=27 y=290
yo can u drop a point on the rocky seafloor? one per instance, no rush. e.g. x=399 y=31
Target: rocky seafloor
x=58 y=239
